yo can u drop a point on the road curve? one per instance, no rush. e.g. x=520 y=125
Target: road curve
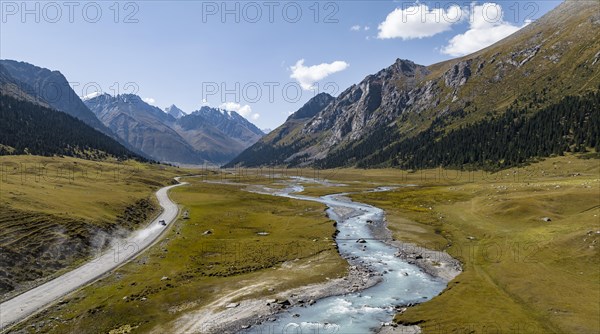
x=27 y=303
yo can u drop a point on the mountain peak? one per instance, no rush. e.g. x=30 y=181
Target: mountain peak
x=225 y=112
x=405 y=67
x=174 y=111
x=129 y=98
x=220 y=117
x=375 y=122
x=313 y=106
x=95 y=95
x=400 y=61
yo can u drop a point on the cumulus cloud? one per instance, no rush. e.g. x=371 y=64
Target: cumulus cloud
x=308 y=75
x=149 y=100
x=486 y=27
x=419 y=21
x=355 y=28
x=244 y=110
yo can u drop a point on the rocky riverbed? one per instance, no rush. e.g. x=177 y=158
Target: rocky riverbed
x=385 y=277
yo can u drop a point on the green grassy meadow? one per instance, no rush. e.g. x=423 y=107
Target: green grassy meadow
x=57 y=212
x=521 y=274
x=200 y=267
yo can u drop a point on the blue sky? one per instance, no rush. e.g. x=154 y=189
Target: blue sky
x=186 y=53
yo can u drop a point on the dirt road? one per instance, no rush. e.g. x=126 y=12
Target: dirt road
x=26 y=304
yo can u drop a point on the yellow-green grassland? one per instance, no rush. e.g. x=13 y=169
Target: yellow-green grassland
x=527 y=238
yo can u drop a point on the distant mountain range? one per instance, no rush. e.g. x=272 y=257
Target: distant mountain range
x=32 y=124
x=230 y=123
x=207 y=135
x=50 y=89
x=531 y=94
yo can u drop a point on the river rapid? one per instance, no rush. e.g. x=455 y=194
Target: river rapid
x=363 y=311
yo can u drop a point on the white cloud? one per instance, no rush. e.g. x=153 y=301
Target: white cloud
x=149 y=100
x=486 y=27
x=355 y=28
x=367 y=28
x=308 y=75
x=419 y=21
x=244 y=110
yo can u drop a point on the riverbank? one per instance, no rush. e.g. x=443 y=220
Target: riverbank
x=495 y=225
x=226 y=316
x=230 y=242
x=435 y=263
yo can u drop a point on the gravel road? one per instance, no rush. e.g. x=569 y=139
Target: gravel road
x=27 y=303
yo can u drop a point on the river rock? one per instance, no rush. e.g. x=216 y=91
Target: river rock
x=284 y=302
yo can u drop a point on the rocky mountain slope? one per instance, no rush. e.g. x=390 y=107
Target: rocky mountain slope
x=18 y=90
x=52 y=88
x=281 y=146
x=49 y=89
x=230 y=123
x=370 y=123
x=144 y=127
x=205 y=136
x=30 y=128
